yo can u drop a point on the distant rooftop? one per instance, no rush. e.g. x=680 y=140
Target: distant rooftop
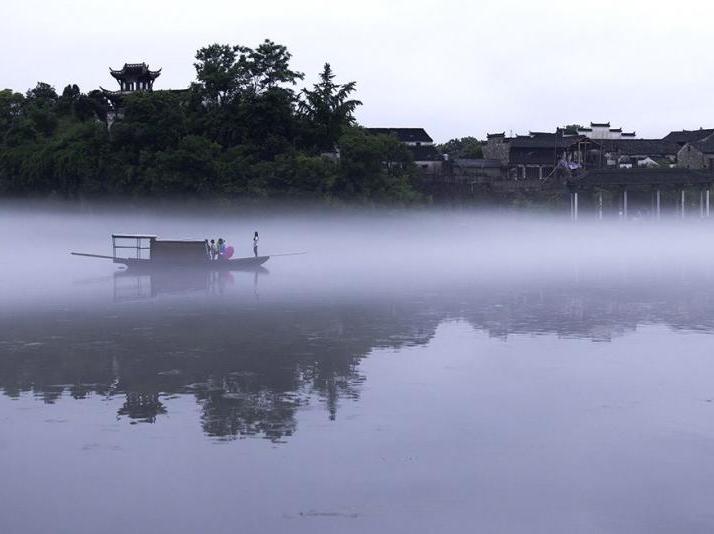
x=546 y=140
x=641 y=146
x=688 y=136
x=134 y=69
x=706 y=145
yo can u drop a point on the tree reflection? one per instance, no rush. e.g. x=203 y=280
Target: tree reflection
x=142 y=407
x=252 y=367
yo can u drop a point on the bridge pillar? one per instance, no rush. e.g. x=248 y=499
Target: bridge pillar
x=624 y=204
x=701 y=203
x=576 y=205
x=706 y=211
x=658 y=207
x=599 y=205
x=682 y=206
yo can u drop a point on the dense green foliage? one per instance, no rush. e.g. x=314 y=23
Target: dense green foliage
x=466 y=147
x=240 y=129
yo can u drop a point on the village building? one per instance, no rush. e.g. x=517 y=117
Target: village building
x=475 y=168
x=538 y=154
x=471 y=171
x=697 y=154
x=634 y=153
x=603 y=130
x=682 y=137
x=132 y=78
x=419 y=143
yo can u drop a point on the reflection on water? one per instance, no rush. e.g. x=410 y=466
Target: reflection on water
x=412 y=373
x=252 y=366
x=133 y=286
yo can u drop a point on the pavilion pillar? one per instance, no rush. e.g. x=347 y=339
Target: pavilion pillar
x=599 y=205
x=658 y=206
x=706 y=203
x=575 y=206
x=701 y=203
x=682 y=207
x=624 y=203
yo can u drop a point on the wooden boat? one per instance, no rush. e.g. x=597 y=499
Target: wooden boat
x=150 y=252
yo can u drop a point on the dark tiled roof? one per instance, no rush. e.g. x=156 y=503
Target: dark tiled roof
x=642 y=147
x=566 y=131
x=545 y=140
x=535 y=156
x=134 y=69
x=425 y=153
x=615 y=130
x=687 y=136
x=405 y=135
x=706 y=145
x=494 y=135
x=600 y=124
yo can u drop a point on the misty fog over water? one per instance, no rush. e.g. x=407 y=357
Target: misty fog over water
x=413 y=371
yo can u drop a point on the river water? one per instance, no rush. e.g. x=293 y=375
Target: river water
x=424 y=371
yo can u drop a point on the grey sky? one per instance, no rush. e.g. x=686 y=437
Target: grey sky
x=456 y=68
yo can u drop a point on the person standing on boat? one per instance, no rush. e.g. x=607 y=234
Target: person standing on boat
x=255 y=244
x=213 y=250
x=221 y=247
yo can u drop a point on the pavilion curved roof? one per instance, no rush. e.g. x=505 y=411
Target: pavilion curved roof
x=136 y=69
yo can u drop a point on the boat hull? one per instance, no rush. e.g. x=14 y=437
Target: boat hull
x=235 y=264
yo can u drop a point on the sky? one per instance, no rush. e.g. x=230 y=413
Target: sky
x=455 y=68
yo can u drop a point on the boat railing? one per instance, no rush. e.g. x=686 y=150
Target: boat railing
x=135 y=242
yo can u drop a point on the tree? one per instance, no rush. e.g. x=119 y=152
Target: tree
x=10 y=109
x=70 y=94
x=242 y=128
x=42 y=94
x=217 y=71
x=226 y=71
x=267 y=66
x=374 y=166
x=74 y=102
x=328 y=107
x=573 y=128
x=152 y=120
x=466 y=147
x=188 y=168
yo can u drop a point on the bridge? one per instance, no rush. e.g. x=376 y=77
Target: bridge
x=650 y=189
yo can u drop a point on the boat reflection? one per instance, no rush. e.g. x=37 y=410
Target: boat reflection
x=130 y=285
x=252 y=365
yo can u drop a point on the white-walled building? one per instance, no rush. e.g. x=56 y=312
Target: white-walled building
x=603 y=130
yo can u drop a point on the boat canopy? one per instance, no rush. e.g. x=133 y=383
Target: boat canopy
x=149 y=247
x=134 y=236
x=179 y=251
